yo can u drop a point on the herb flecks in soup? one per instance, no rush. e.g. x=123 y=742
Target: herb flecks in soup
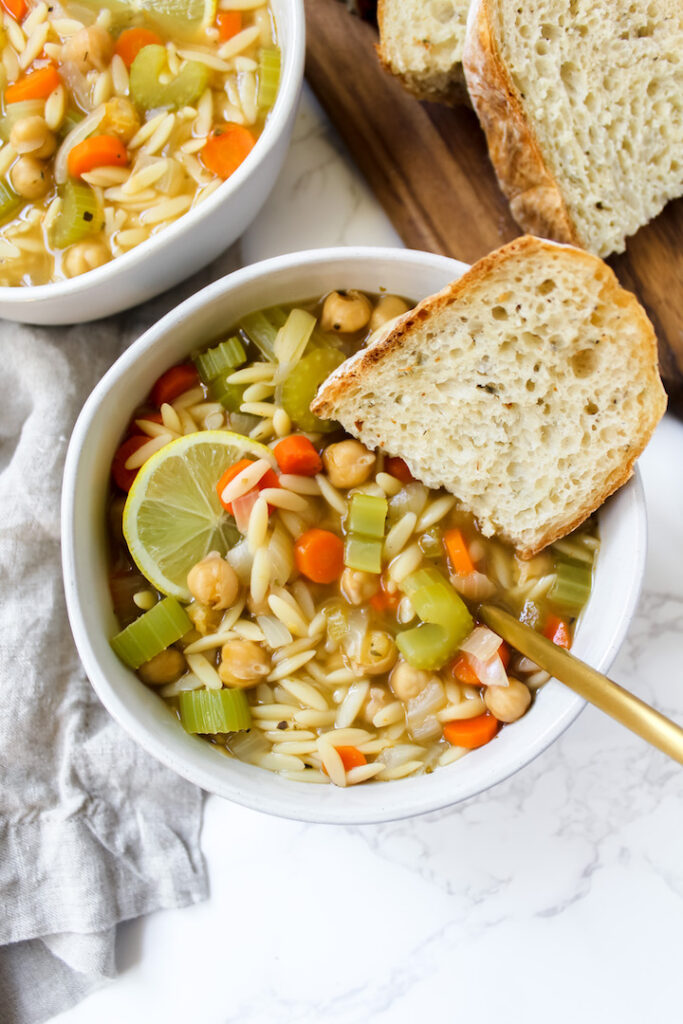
x=304 y=603
x=118 y=118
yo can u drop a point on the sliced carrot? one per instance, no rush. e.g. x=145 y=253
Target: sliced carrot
x=458 y=555
x=37 y=85
x=351 y=758
x=399 y=469
x=16 y=9
x=319 y=555
x=228 y=146
x=462 y=670
x=123 y=477
x=229 y=24
x=132 y=40
x=471 y=732
x=385 y=600
x=269 y=479
x=503 y=653
x=557 y=630
x=296 y=454
x=97 y=151
x=173 y=383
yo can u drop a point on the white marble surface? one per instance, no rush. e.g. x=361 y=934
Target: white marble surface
x=556 y=896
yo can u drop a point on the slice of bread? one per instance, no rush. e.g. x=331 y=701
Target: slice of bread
x=527 y=388
x=421 y=43
x=582 y=106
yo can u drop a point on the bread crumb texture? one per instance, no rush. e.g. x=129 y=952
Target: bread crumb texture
x=527 y=389
x=601 y=84
x=421 y=42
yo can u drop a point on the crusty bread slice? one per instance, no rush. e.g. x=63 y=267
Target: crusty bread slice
x=582 y=106
x=527 y=388
x=421 y=43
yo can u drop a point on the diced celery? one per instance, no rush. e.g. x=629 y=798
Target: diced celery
x=446 y=620
x=367 y=515
x=293 y=336
x=572 y=586
x=211 y=711
x=72 y=117
x=268 y=76
x=10 y=202
x=363 y=553
x=229 y=395
x=298 y=390
x=262 y=328
x=221 y=359
x=148 y=93
x=152 y=633
x=79 y=216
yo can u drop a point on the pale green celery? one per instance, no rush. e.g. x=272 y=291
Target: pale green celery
x=149 y=94
x=229 y=395
x=269 y=77
x=212 y=711
x=79 y=216
x=363 y=553
x=446 y=621
x=572 y=586
x=152 y=633
x=10 y=202
x=220 y=360
x=262 y=327
x=298 y=390
x=367 y=515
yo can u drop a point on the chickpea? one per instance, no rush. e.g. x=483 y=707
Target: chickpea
x=85 y=256
x=89 y=48
x=243 y=663
x=205 y=620
x=378 y=653
x=357 y=586
x=377 y=698
x=120 y=118
x=165 y=667
x=507 y=703
x=213 y=582
x=30 y=177
x=388 y=308
x=32 y=135
x=348 y=463
x=345 y=312
x=407 y=682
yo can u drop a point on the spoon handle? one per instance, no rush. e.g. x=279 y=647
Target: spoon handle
x=590 y=684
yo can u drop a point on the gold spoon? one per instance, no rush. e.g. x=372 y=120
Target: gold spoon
x=590 y=684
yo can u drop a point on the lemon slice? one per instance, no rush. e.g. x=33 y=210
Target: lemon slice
x=172 y=517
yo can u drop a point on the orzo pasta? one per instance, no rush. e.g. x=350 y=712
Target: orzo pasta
x=118 y=118
x=302 y=603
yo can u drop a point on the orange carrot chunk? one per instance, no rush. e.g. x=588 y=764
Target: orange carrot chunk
x=269 y=479
x=123 y=477
x=397 y=467
x=37 y=85
x=471 y=732
x=97 y=151
x=228 y=146
x=15 y=8
x=132 y=40
x=458 y=555
x=462 y=670
x=351 y=758
x=173 y=383
x=296 y=454
x=319 y=555
x=557 y=630
x=229 y=24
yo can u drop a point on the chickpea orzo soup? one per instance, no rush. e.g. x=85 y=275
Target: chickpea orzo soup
x=302 y=603
x=118 y=117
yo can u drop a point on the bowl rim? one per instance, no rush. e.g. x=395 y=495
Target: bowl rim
x=287 y=97
x=107 y=691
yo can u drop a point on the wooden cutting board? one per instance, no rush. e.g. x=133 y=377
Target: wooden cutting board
x=429 y=168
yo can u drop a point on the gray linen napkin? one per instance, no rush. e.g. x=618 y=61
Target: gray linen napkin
x=92 y=830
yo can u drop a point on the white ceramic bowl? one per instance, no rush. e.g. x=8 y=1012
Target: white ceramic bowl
x=103 y=421
x=198 y=236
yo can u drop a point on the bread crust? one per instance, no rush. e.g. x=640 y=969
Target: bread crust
x=335 y=389
x=451 y=90
x=536 y=201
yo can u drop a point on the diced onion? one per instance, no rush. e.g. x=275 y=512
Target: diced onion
x=78 y=134
x=393 y=757
x=241 y=509
x=241 y=559
x=475 y=586
x=490 y=672
x=275 y=632
x=421 y=711
x=355 y=635
x=482 y=643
